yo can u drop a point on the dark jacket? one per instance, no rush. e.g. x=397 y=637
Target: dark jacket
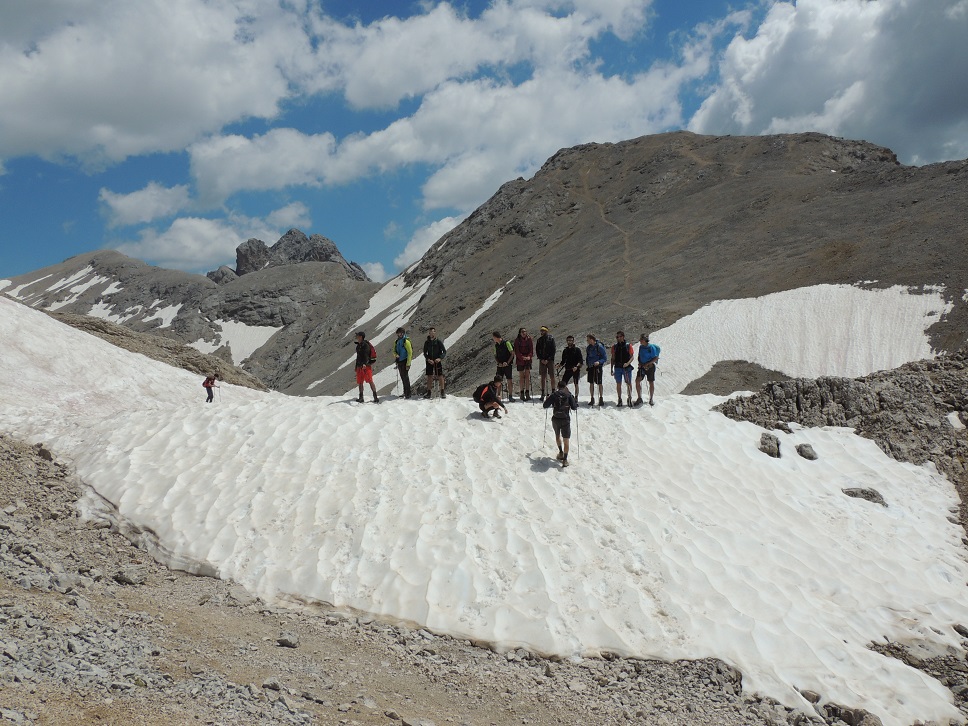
x=621 y=354
x=364 y=354
x=571 y=357
x=544 y=348
x=504 y=352
x=562 y=402
x=434 y=348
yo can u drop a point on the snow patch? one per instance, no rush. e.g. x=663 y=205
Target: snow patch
x=467 y=324
x=824 y=330
x=4 y=284
x=703 y=547
x=76 y=292
x=244 y=340
x=113 y=288
x=18 y=290
x=166 y=315
x=955 y=420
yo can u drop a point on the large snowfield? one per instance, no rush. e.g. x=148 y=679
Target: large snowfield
x=670 y=536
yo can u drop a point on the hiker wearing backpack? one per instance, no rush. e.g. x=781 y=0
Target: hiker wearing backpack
x=571 y=362
x=595 y=359
x=434 y=353
x=622 y=366
x=209 y=385
x=504 y=357
x=544 y=350
x=648 y=359
x=365 y=358
x=488 y=397
x=403 y=353
x=562 y=403
x=523 y=354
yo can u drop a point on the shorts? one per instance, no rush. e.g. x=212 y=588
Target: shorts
x=646 y=371
x=364 y=374
x=621 y=373
x=525 y=366
x=570 y=375
x=435 y=369
x=546 y=369
x=562 y=427
x=504 y=371
x=595 y=375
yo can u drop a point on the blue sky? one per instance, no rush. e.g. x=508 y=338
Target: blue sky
x=173 y=130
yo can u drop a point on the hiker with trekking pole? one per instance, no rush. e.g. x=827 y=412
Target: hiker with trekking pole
x=209 y=384
x=622 y=366
x=434 y=353
x=523 y=354
x=648 y=358
x=544 y=349
x=562 y=404
x=570 y=365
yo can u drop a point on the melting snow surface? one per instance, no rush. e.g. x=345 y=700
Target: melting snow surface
x=244 y=340
x=671 y=535
x=4 y=284
x=813 y=331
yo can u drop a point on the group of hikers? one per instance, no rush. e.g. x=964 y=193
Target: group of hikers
x=520 y=355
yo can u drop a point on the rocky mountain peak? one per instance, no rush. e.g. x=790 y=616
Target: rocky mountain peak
x=291 y=249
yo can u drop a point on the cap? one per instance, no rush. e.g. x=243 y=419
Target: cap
x=544 y=328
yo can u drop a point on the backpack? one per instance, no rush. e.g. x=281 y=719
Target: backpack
x=560 y=408
x=372 y=353
x=479 y=392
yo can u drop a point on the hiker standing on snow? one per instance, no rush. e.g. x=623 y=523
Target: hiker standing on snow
x=563 y=403
x=504 y=357
x=365 y=358
x=434 y=353
x=544 y=350
x=403 y=353
x=523 y=354
x=209 y=385
x=571 y=362
x=648 y=358
x=595 y=359
x=622 y=366
x=488 y=397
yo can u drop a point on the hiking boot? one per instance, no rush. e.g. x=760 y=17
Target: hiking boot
x=360 y=399
x=561 y=455
x=484 y=414
x=651 y=402
x=564 y=462
x=427 y=394
x=497 y=415
x=443 y=395
x=592 y=402
x=620 y=403
x=376 y=399
x=601 y=402
x=630 y=402
x=638 y=401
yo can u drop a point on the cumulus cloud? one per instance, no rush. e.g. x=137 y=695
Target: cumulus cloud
x=198 y=244
x=893 y=72
x=105 y=80
x=422 y=240
x=292 y=215
x=145 y=205
x=375 y=271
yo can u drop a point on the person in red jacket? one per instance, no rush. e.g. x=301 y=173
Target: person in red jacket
x=209 y=385
x=523 y=354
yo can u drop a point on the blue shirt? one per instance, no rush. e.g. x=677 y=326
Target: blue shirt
x=648 y=353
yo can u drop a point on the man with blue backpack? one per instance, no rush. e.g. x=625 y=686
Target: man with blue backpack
x=648 y=358
x=403 y=352
x=595 y=359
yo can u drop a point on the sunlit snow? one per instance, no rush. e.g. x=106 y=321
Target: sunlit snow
x=671 y=536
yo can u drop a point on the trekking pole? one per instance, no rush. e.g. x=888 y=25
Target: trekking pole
x=577 y=441
x=544 y=436
x=398 y=378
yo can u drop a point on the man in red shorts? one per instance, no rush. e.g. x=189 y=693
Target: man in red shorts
x=365 y=358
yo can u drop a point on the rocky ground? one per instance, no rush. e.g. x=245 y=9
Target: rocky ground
x=94 y=632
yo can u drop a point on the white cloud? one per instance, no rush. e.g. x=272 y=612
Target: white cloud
x=375 y=271
x=199 y=244
x=152 y=202
x=224 y=165
x=292 y=215
x=422 y=240
x=894 y=72
x=105 y=80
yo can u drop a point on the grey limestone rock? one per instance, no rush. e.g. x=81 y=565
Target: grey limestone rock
x=770 y=445
x=222 y=275
x=807 y=452
x=250 y=256
x=871 y=495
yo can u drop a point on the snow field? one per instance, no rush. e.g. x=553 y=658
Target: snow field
x=671 y=535
x=822 y=330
